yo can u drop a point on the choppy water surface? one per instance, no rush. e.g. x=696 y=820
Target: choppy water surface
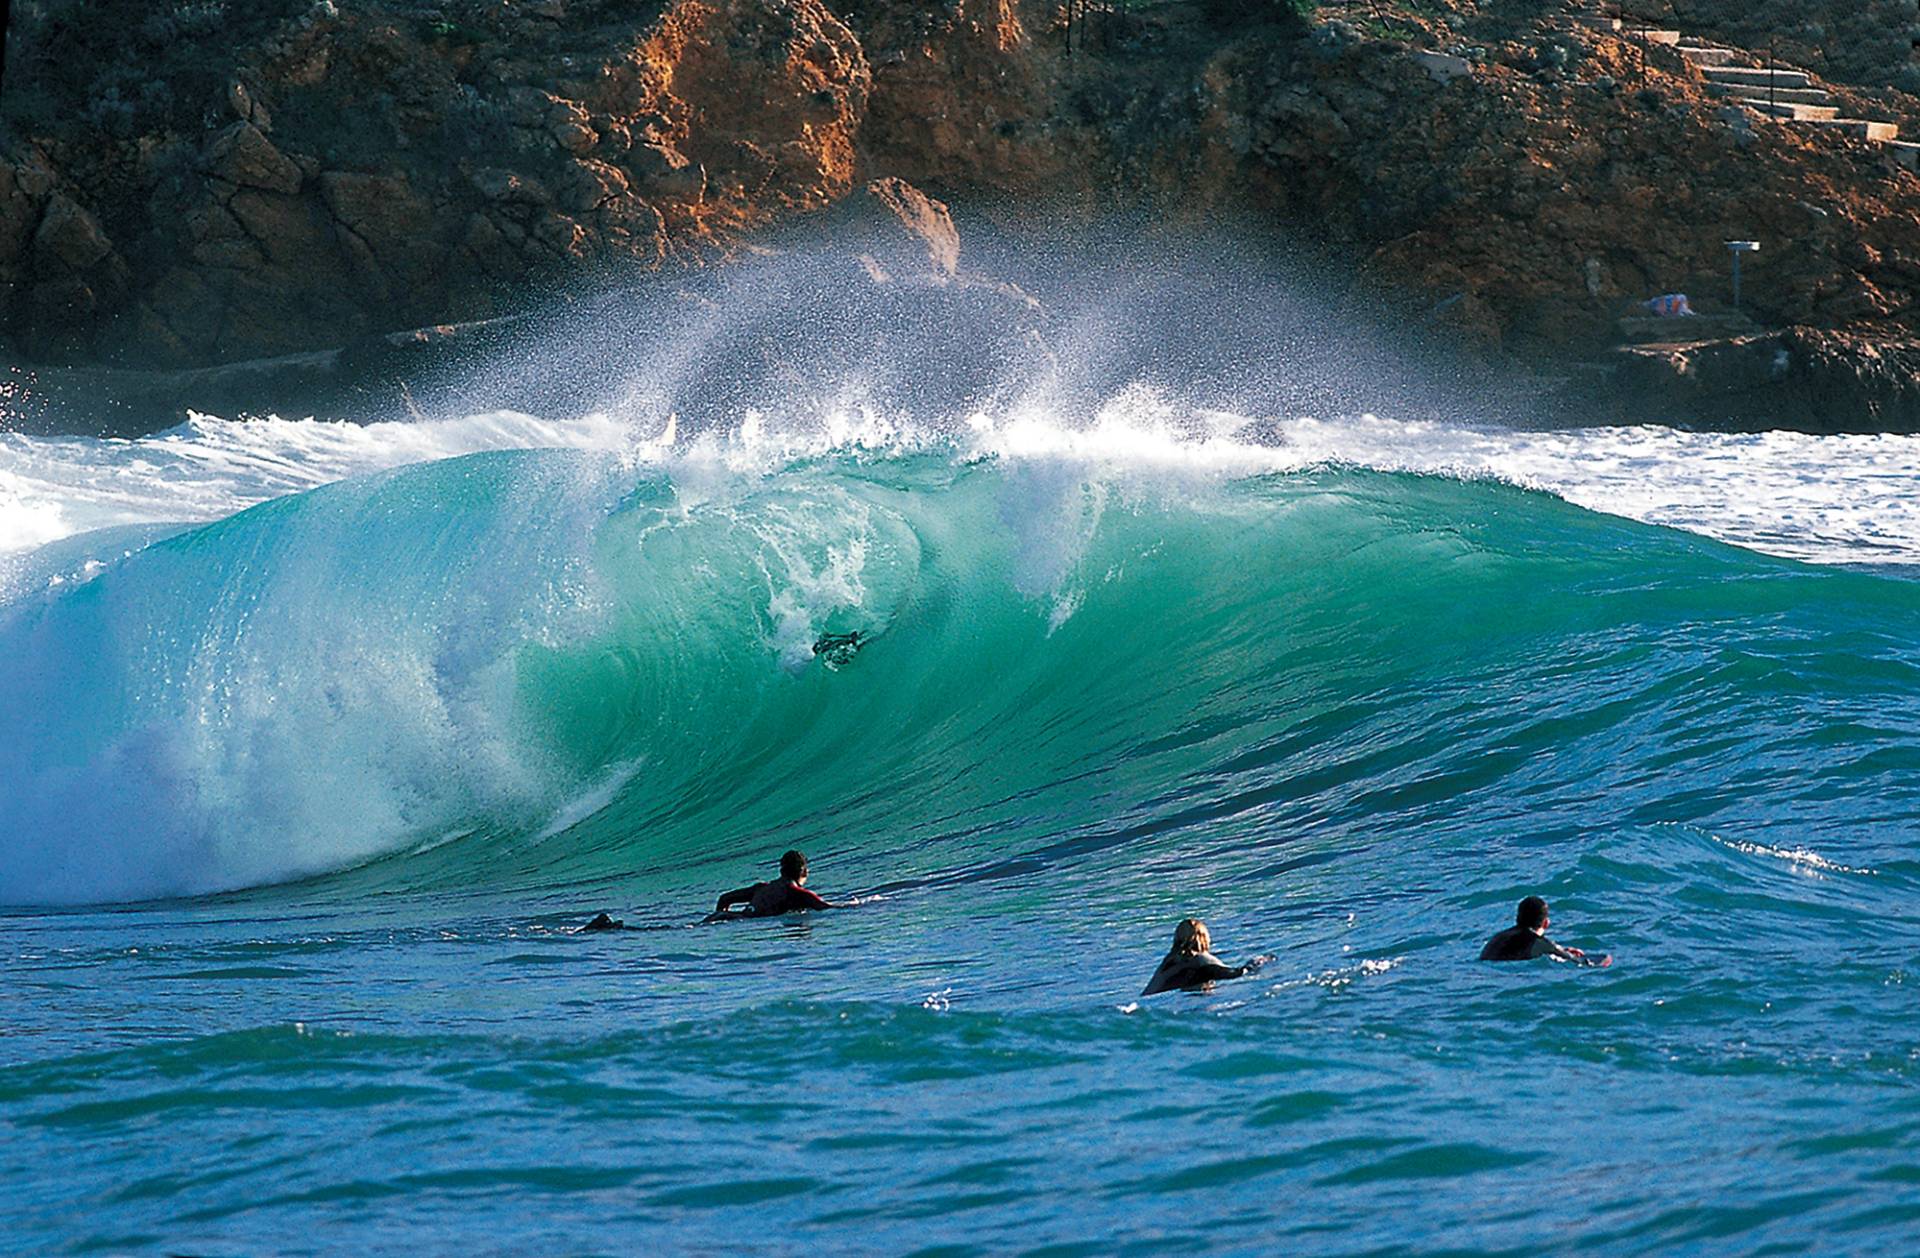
x=1347 y=693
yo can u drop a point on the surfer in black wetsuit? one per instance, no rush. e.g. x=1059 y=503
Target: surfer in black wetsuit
x=837 y=649
x=1527 y=939
x=786 y=894
x=1191 y=963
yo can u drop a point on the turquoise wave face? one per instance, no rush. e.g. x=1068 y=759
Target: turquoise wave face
x=527 y=669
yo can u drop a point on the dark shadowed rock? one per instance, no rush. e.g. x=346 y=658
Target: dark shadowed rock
x=243 y=156
x=1801 y=379
x=69 y=238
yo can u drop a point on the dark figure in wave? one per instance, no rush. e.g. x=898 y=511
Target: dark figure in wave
x=1191 y=962
x=1527 y=939
x=786 y=894
x=838 y=649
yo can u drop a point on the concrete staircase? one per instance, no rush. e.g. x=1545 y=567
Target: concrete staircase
x=1777 y=92
x=1788 y=94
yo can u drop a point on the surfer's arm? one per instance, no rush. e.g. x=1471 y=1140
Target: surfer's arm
x=1562 y=953
x=1252 y=964
x=743 y=896
x=1208 y=968
x=805 y=899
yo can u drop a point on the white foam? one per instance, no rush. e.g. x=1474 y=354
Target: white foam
x=209 y=468
x=1826 y=499
x=1836 y=499
x=1803 y=860
x=1341 y=978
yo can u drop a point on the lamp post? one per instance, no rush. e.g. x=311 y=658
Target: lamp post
x=1736 y=248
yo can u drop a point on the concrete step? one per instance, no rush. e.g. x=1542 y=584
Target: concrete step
x=1797 y=113
x=1862 y=128
x=1749 y=75
x=1712 y=56
x=1906 y=152
x=1651 y=35
x=1780 y=95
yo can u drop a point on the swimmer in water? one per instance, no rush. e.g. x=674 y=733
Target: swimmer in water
x=786 y=894
x=1191 y=962
x=604 y=922
x=1527 y=939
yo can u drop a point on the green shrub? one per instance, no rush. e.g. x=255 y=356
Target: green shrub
x=127 y=67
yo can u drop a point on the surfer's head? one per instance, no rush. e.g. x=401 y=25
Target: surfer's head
x=1533 y=913
x=1190 y=938
x=793 y=867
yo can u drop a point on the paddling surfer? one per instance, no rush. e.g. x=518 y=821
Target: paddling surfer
x=786 y=894
x=1190 y=963
x=1527 y=939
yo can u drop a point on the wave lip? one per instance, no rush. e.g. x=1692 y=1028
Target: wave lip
x=1831 y=499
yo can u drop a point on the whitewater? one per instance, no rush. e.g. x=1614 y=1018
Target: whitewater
x=318 y=740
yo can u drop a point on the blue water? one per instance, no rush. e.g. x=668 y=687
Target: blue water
x=300 y=806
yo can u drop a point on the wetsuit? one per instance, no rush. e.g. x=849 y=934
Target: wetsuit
x=1519 y=943
x=770 y=899
x=1178 y=972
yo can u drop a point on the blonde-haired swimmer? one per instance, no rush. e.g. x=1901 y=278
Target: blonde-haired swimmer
x=1191 y=963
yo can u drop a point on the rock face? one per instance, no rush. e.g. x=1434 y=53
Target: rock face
x=1567 y=178
x=1802 y=379
x=911 y=235
x=365 y=168
x=471 y=175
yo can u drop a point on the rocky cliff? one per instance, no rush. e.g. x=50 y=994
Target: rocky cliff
x=342 y=171
x=368 y=169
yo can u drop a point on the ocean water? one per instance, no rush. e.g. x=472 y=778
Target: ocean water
x=317 y=741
